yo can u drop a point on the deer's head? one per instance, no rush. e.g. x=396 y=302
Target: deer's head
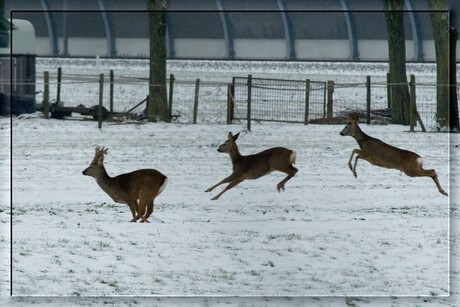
x=229 y=143
x=97 y=165
x=352 y=124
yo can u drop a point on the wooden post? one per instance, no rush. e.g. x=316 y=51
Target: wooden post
x=388 y=91
x=46 y=96
x=368 y=99
x=101 y=94
x=111 y=91
x=412 y=114
x=59 y=80
x=307 y=101
x=170 y=97
x=330 y=98
x=230 y=91
x=248 y=111
x=195 y=104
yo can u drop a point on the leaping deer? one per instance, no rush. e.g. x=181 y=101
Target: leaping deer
x=137 y=189
x=255 y=166
x=381 y=154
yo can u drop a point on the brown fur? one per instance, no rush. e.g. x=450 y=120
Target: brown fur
x=384 y=155
x=256 y=165
x=137 y=189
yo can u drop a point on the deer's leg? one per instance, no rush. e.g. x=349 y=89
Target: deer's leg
x=228 y=187
x=133 y=207
x=291 y=173
x=141 y=205
x=359 y=155
x=148 y=213
x=225 y=180
x=351 y=158
x=426 y=173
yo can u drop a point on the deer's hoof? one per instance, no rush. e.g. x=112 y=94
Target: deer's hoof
x=215 y=198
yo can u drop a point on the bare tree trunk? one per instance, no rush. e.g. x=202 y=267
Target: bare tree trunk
x=157 y=103
x=440 y=24
x=397 y=58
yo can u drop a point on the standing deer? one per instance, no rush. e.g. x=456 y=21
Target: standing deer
x=137 y=189
x=381 y=154
x=255 y=166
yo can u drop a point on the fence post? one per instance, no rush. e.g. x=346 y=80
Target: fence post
x=46 y=96
x=111 y=92
x=368 y=99
x=307 y=101
x=412 y=114
x=389 y=90
x=59 y=79
x=171 y=91
x=248 y=113
x=195 y=105
x=101 y=92
x=330 y=98
x=230 y=92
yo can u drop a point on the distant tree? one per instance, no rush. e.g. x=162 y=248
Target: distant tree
x=397 y=59
x=157 y=104
x=445 y=69
x=4 y=25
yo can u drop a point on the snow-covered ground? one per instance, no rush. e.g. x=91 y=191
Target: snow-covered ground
x=383 y=238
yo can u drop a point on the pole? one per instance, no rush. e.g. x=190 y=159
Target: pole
x=412 y=114
x=229 y=104
x=46 y=96
x=368 y=99
x=171 y=92
x=330 y=98
x=307 y=101
x=248 y=113
x=101 y=92
x=111 y=91
x=59 y=80
x=195 y=105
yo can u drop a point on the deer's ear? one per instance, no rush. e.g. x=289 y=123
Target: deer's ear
x=235 y=137
x=230 y=136
x=353 y=118
x=100 y=160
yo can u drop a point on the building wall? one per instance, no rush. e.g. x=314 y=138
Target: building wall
x=228 y=29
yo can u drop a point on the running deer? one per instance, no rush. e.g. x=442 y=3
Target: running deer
x=255 y=166
x=381 y=154
x=137 y=189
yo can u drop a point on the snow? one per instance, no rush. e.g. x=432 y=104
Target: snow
x=381 y=238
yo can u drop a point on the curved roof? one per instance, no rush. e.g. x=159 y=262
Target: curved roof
x=228 y=29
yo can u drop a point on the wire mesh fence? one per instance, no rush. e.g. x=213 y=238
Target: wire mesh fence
x=277 y=100
x=274 y=100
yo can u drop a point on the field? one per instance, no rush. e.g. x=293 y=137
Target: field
x=328 y=235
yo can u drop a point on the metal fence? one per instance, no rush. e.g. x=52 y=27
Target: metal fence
x=277 y=100
x=260 y=99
